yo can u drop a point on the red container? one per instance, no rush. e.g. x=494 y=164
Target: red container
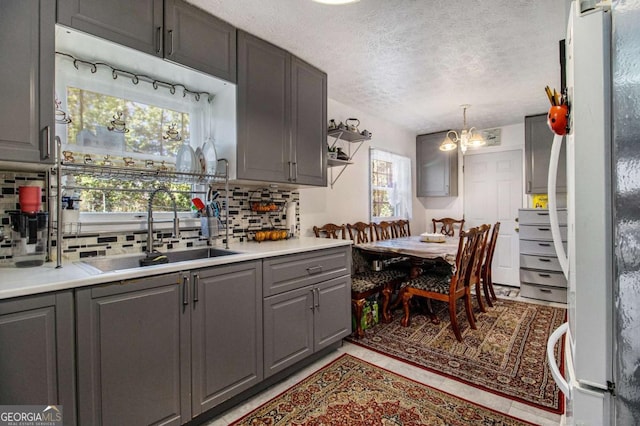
x=30 y=199
x=557 y=119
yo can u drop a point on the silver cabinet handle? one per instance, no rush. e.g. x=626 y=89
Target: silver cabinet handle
x=46 y=151
x=295 y=172
x=158 y=39
x=545 y=290
x=544 y=244
x=185 y=290
x=318 y=299
x=541 y=259
x=543 y=229
x=196 y=283
x=544 y=275
x=290 y=178
x=170 y=42
x=313 y=300
x=312 y=270
x=543 y=214
x=528 y=186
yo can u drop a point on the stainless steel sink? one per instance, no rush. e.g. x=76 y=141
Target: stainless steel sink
x=110 y=264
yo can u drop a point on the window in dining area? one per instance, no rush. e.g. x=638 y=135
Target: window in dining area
x=390 y=185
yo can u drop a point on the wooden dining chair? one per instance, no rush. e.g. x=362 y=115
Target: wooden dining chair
x=475 y=280
x=447 y=287
x=331 y=230
x=401 y=228
x=360 y=232
x=487 y=281
x=383 y=230
x=447 y=226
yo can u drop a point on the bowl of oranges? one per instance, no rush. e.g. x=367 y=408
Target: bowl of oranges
x=270 y=235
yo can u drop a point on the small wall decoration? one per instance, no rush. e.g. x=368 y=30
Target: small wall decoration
x=172 y=133
x=118 y=124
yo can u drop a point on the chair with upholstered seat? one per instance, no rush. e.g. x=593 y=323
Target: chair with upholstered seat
x=401 y=228
x=447 y=226
x=487 y=281
x=383 y=230
x=447 y=287
x=331 y=230
x=360 y=232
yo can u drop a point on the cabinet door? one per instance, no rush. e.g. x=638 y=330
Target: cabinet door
x=288 y=329
x=308 y=123
x=199 y=40
x=263 y=111
x=332 y=312
x=437 y=171
x=538 y=140
x=226 y=333
x=37 y=352
x=26 y=80
x=136 y=24
x=133 y=352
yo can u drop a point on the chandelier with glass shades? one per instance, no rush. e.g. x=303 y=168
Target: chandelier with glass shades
x=466 y=138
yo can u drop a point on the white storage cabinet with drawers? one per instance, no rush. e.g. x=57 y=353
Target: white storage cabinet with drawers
x=540 y=274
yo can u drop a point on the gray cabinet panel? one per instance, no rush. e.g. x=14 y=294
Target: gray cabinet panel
x=288 y=329
x=537 y=144
x=136 y=24
x=26 y=80
x=133 y=353
x=226 y=333
x=264 y=110
x=308 y=123
x=437 y=171
x=332 y=315
x=37 y=355
x=199 y=40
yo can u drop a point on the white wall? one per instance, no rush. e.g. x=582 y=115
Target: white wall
x=512 y=137
x=348 y=200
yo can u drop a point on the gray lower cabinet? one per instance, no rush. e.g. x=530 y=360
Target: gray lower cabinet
x=307 y=305
x=173 y=29
x=538 y=139
x=437 y=171
x=26 y=80
x=164 y=349
x=133 y=352
x=37 y=352
x=282 y=110
x=226 y=333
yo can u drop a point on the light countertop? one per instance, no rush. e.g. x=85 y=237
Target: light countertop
x=16 y=282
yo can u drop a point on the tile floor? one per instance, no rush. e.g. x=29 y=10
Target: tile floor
x=498 y=403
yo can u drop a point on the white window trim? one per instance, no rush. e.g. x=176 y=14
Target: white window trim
x=408 y=195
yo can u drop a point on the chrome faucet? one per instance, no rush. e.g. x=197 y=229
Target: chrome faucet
x=176 y=223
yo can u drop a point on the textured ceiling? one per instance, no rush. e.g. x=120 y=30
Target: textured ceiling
x=415 y=62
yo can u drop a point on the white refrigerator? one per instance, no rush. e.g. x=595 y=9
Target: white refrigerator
x=594 y=356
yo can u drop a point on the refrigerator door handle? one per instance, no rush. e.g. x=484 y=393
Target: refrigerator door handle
x=553 y=210
x=555 y=371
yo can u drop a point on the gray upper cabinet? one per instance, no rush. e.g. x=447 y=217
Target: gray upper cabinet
x=437 y=171
x=308 y=123
x=136 y=24
x=226 y=333
x=282 y=111
x=199 y=40
x=37 y=357
x=26 y=80
x=174 y=30
x=537 y=144
x=133 y=352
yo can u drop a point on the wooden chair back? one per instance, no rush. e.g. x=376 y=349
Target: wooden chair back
x=360 y=232
x=491 y=248
x=331 y=230
x=383 y=230
x=447 y=225
x=465 y=259
x=401 y=228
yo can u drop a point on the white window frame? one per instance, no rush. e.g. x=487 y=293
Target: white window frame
x=401 y=192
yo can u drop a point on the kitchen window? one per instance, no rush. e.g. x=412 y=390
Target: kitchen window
x=390 y=185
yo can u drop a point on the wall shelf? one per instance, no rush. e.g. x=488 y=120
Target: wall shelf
x=353 y=139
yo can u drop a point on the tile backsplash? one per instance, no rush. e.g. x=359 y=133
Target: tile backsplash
x=243 y=222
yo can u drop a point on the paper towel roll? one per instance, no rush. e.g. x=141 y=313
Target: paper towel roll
x=291 y=218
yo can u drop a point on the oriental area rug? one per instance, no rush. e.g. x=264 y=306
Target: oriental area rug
x=506 y=355
x=353 y=392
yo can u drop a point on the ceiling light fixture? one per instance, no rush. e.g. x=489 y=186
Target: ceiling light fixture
x=466 y=138
x=336 y=2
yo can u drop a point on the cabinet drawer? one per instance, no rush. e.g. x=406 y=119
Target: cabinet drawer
x=286 y=273
x=548 y=263
x=547 y=278
x=542 y=248
x=540 y=217
x=551 y=294
x=540 y=232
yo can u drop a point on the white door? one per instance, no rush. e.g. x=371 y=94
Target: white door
x=493 y=193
